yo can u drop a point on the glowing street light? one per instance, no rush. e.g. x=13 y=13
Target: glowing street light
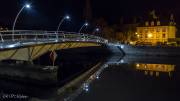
x=28 y=6
x=85 y=24
x=62 y=20
x=67 y=17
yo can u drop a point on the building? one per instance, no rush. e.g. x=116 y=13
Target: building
x=156 y=32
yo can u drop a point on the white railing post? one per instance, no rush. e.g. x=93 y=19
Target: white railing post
x=21 y=35
x=36 y=36
x=2 y=40
x=57 y=37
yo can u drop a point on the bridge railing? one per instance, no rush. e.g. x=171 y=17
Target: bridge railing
x=29 y=35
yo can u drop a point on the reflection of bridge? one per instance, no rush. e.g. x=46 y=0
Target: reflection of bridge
x=29 y=45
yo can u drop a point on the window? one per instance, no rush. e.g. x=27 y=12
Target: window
x=164 y=30
x=152 y=30
x=157 y=35
x=141 y=36
x=164 y=36
x=158 y=30
x=146 y=30
x=146 y=35
x=140 y=31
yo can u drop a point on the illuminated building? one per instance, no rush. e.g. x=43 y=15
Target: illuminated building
x=155 y=31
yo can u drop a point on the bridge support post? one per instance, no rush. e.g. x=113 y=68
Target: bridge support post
x=30 y=61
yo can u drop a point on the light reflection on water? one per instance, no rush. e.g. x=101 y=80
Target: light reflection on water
x=126 y=78
x=155 y=69
x=133 y=77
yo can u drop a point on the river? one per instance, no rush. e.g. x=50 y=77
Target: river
x=112 y=78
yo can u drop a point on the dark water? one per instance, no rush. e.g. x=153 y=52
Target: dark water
x=136 y=79
x=116 y=79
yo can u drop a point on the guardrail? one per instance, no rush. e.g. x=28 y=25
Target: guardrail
x=33 y=35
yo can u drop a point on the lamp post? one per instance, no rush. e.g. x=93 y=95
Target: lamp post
x=14 y=24
x=60 y=23
x=62 y=20
x=85 y=24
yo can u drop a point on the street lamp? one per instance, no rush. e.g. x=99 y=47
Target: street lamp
x=85 y=24
x=67 y=17
x=62 y=20
x=14 y=24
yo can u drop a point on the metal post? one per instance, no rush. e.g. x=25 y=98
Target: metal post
x=2 y=40
x=15 y=21
x=81 y=28
x=60 y=23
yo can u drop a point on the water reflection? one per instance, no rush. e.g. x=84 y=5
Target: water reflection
x=135 y=78
x=151 y=69
x=118 y=78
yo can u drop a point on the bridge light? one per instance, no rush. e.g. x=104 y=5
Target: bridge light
x=97 y=76
x=122 y=46
x=122 y=61
x=97 y=29
x=11 y=46
x=67 y=17
x=14 y=24
x=28 y=6
x=86 y=24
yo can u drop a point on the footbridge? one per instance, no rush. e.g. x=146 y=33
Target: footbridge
x=28 y=45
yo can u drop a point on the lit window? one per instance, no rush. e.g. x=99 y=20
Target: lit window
x=158 y=30
x=157 y=35
x=164 y=30
x=152 y=30
x=146 y=35
x=146 y=30
x=140 y=31
x=164 y=36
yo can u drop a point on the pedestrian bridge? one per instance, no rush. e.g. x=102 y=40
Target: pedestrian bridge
x=28 y=45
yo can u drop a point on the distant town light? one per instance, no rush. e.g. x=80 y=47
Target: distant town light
x=137 y=65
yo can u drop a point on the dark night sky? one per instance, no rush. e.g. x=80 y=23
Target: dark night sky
x=45 y=14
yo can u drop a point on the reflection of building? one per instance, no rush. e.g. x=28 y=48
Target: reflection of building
x=155 y=68
x=155 y=31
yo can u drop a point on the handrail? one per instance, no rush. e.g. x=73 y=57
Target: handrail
x=25 y=35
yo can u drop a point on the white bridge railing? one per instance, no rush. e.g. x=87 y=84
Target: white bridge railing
x=32 y=37
x=29 y=35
